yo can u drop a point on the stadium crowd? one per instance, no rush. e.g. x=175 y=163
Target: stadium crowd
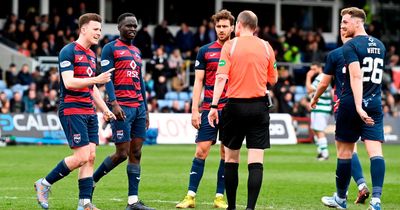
x=167 y=56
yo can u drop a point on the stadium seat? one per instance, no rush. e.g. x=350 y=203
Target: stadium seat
x=181 y=104
x=300 y=92
x=9 y=93
x=3 y=85
x=184 y=96
x=172 y=95
x=164 y=103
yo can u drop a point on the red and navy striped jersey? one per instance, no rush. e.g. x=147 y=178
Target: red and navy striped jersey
x=74 y=57
x=126 y=80
x=207 y=60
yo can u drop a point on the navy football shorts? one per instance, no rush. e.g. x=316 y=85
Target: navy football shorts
x=206 y=132
x=80 y=129
x=134 y=126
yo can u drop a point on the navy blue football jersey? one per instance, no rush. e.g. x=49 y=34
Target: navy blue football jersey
x=370 y=53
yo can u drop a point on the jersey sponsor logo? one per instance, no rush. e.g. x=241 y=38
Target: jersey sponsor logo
x=65 y=64
x=104 y=62
x=80 y=58
x=122 y=52
x=120 y=134
x=222 y=63
x=89 y=71
x=77 y=138
x=213 y=54
x=133 y=65
x=132 y=74
x=197 y=63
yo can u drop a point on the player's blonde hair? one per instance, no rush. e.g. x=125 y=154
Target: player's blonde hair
x=354 y=12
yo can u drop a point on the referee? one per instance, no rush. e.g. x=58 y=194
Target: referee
x=248 y=63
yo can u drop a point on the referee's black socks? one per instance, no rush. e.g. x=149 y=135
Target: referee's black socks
x=254 y=182
x=231 y=183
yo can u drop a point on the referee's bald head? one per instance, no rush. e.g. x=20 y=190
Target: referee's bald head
x=248 y=19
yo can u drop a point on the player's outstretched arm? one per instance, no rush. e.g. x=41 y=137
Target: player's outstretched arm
x=71 y=82
x=322 y=86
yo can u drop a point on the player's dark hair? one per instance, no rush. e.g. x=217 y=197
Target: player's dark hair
x=123 y=16
x=354 y=12
x=248 y=19
x=223 y=15
x=86 y=18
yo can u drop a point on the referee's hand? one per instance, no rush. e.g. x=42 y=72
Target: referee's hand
x=213 y=117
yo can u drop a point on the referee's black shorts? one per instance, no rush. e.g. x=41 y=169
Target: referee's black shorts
x=246 y=118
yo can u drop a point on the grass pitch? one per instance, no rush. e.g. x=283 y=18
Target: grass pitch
x=293 y=178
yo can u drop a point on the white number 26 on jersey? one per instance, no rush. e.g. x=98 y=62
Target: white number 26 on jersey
x=374 y=67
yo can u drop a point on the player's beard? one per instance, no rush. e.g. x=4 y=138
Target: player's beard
x=224 y=38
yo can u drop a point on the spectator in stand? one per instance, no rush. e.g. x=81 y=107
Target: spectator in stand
x=44 y=50
x=53 y=82
x=143 y=41
x=50 y=103
x=286 y=103
x=11 y=75
x=301 y=108
x=52 y=44
x=16 y=103
x=293 y=38
x=11 y=19
x=5 y=107
x=292 y=55
x=201 y=38
x=313 y=53
x=175 y=108
x=163 y=37
x=55 y=25
x=159 y=66
x=3 y=97
x=212 y=35
x=21 y=34
x=43 y=30
x=34 y=49
x=71 y=22
x=185 y=40
x=24 y=76
x=285 y=84
x=176 y=66
x=31 y=102
x=23 y=49
x=187 y=107
x=148 y=83
x=10 y=33
x=35 y=37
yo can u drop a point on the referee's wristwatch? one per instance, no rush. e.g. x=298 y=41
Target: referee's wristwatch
x=213 y=106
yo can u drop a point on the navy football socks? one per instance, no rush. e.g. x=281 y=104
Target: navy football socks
x=343 y=176
x=59 y=172
x=377 y=175
x=133 y=171
x=196 y=173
